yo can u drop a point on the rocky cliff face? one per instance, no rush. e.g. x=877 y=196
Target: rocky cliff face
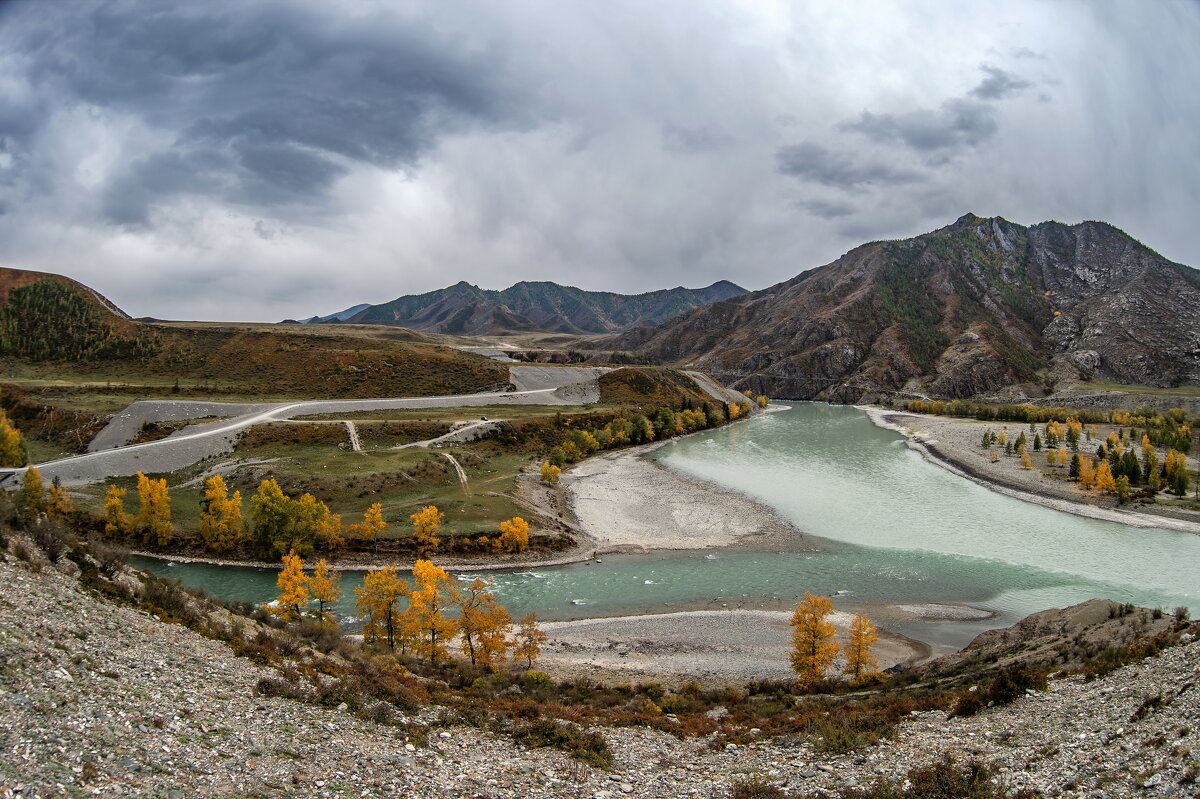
x=972 y=308
x=464 y=309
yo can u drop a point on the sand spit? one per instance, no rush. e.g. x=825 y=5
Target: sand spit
x=708 y=645
x=953 y=444
x=627 y=501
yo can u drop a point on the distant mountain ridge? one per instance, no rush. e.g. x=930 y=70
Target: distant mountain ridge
x=464 y=309
x=975 y=307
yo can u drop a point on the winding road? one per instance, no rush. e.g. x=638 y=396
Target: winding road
x=536 y=386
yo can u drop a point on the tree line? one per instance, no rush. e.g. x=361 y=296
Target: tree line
x=423 y=618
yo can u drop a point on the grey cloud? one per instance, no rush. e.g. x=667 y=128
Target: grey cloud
x=272 y=96
x=958 y=123
x=818 y=164
x=825 y=209
x=704 y=138
x=998 y=84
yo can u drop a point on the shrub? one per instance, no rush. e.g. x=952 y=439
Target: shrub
x=589 y=747
x=942 y=780
x=1007 y=686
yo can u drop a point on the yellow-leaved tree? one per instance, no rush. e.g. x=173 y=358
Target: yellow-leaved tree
x=12 y=447
x=860 y=663
x=116 y=521
x=550 y=473
x=323 y=589
x=1104 y=478
x=514 y=535
x=293 y=589
x=221 y=525
x=813 y=647
x=378 y=599
x=427 y=522
x=434 y=592
x=33 y=493
x=153 y=519
x=372 y=525
x=1026 y=460
x=529 y=640
x=484 y=624
x=58 y=505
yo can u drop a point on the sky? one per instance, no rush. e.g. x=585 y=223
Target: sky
x=233 y=160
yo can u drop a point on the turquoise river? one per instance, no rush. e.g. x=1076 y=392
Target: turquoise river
x=888 y=528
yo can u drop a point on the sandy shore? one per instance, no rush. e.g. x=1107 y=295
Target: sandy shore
x=953 y=444
x=734 y=646
x=627 y=501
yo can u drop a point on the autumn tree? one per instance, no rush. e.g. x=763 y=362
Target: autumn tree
x=859 y=661
x=550 y=473
x=153 y=518
x=514 y=534
x=529 y=640
x=12 y=446
x=1104 y=478
x=378 y=600
x=323 y=589
x=271 y=517
x=813 y=647
x=1052 y=457
x=372 y=525
x=434 y=591
x=427 y=522
x=1087 y=474
x=1123 y=489
x=221 y=525
x=484 y=624
x=116 y=521
x=1026 y=460
x=293 y=589
x=33 y=494
x=58 y=504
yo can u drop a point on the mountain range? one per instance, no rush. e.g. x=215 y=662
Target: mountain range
x=464 y=309
x=975 y=307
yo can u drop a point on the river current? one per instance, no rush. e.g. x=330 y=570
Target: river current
x=890 y=527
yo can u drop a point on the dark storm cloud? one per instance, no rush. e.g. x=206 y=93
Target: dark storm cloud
x=957 y=124
x=314 y=154
x=818 y=164
x=264 y=102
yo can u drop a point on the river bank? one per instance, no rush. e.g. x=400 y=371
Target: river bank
x=710 y=646
x=953 y=444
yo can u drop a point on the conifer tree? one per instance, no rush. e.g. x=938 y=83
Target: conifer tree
x=1123 y=490
x=859 y=660
x=1104 y=478
x=153 y=519
x=221 y=525
x=116 y=522
x=813 y=647
x=33 y=494
x=1179 y=482
x=58 y=504
x=1076 y=466
x=1037 y=442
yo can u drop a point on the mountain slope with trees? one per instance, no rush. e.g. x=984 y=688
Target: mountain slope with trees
x=463 y=309
x=969 y=309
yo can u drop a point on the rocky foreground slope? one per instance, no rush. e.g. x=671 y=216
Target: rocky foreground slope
x=104 y=700
x=974 y=307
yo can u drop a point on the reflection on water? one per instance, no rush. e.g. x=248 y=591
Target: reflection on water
x=897 y=529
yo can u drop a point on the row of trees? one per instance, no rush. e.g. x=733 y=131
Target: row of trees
x=814 y=648
x=423 y=618
x=633 y=429
x=277 y=523
x=1175 y=421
